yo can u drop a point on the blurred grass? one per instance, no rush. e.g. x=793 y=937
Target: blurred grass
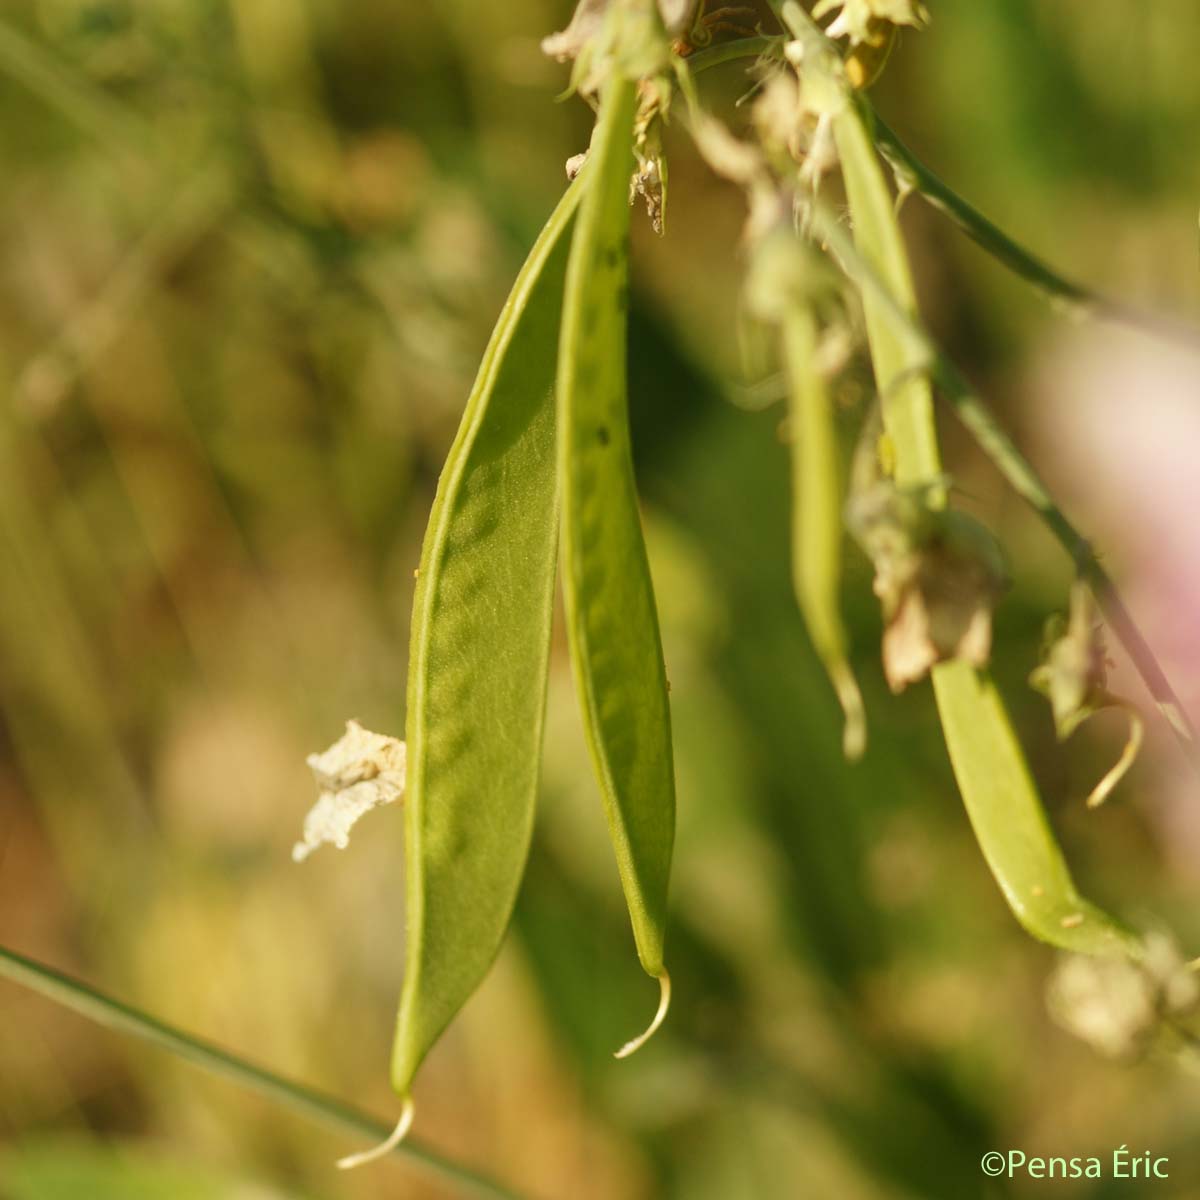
x=252 y=251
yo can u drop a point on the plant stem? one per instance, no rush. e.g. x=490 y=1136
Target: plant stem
x=1075 y=297
x=995 y=442
x=122 y=1018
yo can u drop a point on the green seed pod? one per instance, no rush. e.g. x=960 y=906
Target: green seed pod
x=1010 y=822
x=479 y=659
x=817 y=517
x=612 y=622
x=998 y=792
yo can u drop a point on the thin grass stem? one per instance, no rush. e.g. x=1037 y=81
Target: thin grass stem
x=1075 y=297
x=122 y=1018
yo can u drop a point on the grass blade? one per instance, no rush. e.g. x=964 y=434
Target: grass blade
x=123 y=1018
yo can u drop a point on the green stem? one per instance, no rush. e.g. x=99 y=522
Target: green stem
x=995 y=442
x=916 y=175
x=121 y=1018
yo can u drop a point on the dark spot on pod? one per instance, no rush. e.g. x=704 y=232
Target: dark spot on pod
x=612 y=256
x=603 y=436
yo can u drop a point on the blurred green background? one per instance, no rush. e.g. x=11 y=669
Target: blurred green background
x=250 y=253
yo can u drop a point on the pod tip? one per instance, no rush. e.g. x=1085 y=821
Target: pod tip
x=854 y=732
x=386 y=1147
x=664 y=1003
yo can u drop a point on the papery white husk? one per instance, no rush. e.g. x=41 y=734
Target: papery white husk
x=359 y=772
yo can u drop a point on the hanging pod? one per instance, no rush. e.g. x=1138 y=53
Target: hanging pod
x=817 y=516
x=1009 y=821
x=479 y=660
x=998 y=792
x=784 y=286
x=612 y=623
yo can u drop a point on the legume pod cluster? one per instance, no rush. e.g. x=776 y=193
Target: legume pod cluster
x=543 y=450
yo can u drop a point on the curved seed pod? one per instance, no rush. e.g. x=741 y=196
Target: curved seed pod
x=817 y=517
x=1002 y=802
x=479 y=658
x=1010 y=822
x=612 y=624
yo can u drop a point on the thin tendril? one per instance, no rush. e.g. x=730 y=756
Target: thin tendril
x=664 y=1003
x=403 y=1125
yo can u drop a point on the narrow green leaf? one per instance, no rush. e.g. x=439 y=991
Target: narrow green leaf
x=817 y=516
x=612 y=622
x=122 y=1018
x=915 y=175
x=478 y=667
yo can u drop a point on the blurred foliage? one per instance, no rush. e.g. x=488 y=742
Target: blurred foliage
x=252 y=251
x=56 y=1170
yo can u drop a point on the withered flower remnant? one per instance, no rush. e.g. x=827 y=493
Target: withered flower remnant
x=938 y=575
